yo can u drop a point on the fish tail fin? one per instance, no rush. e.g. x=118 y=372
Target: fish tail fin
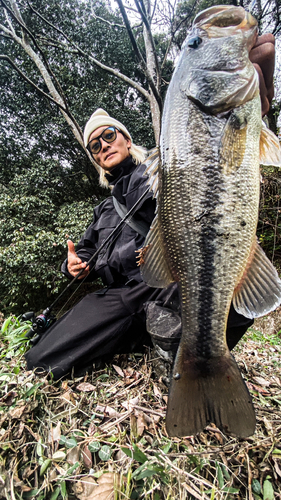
x=210 y=391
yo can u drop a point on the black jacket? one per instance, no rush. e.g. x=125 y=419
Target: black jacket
x=117 y=263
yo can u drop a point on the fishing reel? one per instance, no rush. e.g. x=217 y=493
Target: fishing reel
x=39 y=324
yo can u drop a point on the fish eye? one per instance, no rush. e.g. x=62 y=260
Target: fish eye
x=194 y=42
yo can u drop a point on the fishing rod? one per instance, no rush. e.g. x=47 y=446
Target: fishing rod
x=44 y=320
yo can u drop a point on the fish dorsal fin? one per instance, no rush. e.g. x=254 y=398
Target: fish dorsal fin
x=154 y=267
x=270 y=151
x=259 y=291
x=152 y=164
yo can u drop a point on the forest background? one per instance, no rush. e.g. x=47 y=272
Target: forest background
x=59 y=61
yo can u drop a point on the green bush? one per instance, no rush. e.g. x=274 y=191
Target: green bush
x=33 y=233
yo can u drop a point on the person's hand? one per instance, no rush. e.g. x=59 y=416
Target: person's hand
x=262 y=56
x=75 y=264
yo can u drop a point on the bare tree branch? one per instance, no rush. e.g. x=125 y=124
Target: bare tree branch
x=50 y=42
x=3 y=57
x=114 y=72
x=139 y=56
x=19 y=21
x=14 y=12
x=114 y=25
x=34 y=45
x=9 y=21
x=131 y=35
x=144 y=15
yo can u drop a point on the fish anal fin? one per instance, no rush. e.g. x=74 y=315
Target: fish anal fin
x=141 y=255
x=216 y=393
x=270 y=151
x=153 y=263
x=259 y=291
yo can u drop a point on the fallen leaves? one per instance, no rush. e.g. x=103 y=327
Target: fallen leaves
x=85 y=387
x=102 y=489
x=73 y=455
x=17 y=412
x=55 y=434
x=9 y=398
x=118 y=370
x=74 y=430
x=257 y=388
x=87 y=457
x=262 y=381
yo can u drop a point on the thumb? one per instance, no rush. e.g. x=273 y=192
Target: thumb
x=71 y=247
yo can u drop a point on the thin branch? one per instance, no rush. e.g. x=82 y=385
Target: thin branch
x=179 y=25
x=8 y=37
x=22 y=25
x=166 y=53
x=9 y=22
x=172 y=37
x=144 y=16
x=17 y=17
x=137 y=52
x=114 y=25
x=56 y=44
x=141 y=9
x=112 y=71
x=277 y=26
x=40 y=65
x=276 y=30
x=131 y=9
x=265 y=7
x=131 y=35
x=154 y=9
x=11 y=62
x=7 y=31
x=16 y=11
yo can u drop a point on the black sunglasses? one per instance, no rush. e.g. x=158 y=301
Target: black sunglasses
x=108 y=135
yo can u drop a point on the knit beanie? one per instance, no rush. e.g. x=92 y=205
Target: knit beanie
x=100 y=118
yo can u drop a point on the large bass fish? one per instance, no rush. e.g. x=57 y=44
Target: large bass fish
x=204 y=232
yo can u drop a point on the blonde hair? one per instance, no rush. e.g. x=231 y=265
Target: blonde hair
x=138 y=154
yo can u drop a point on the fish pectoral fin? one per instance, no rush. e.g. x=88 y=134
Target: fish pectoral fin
x=198 y=397
x=153 y=264
x=152 y=163
x=259 y=291
x=270 y=151
x=233 y=142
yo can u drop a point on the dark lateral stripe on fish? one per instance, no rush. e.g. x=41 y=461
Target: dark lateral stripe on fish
x=208 y=248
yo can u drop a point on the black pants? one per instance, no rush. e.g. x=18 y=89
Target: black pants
x=105 y=323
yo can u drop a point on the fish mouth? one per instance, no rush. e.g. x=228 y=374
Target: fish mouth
x=225 y=20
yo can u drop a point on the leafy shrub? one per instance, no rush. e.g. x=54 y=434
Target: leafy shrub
x=33 y=233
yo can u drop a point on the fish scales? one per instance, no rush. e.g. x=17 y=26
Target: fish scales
x=203 y=241
x=207 y=212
